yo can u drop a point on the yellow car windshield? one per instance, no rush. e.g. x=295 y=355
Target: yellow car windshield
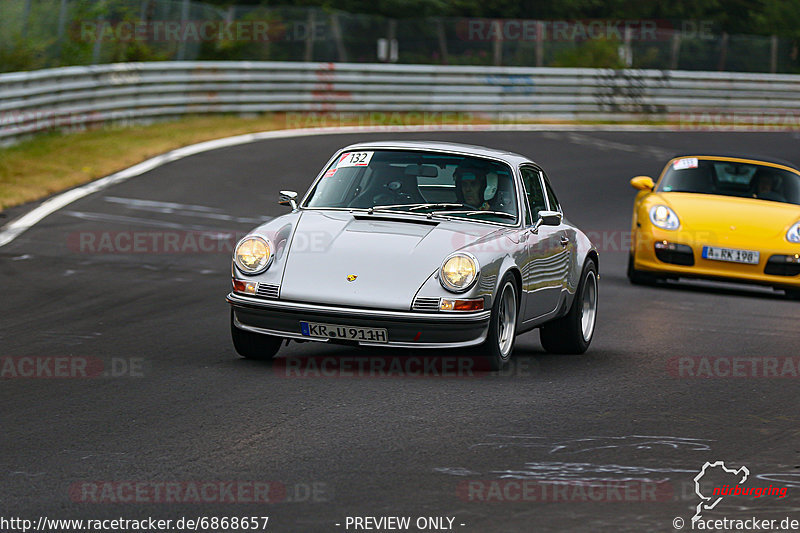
x=727 y=178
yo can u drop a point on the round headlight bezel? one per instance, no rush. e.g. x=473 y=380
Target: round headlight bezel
x=672 y=223
x=451 y=287
x=793 y=234
x=252 y=272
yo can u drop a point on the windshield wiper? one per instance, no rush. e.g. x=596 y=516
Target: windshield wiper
x=495 y=213
x=413 y=207
x=383 y=207
x=428 y=206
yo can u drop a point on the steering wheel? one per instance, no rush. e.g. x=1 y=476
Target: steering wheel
x=390 y=194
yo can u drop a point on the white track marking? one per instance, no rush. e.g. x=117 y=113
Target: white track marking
x=14 y=229
x=136 y=221
x=167 y=206
x=197 y=211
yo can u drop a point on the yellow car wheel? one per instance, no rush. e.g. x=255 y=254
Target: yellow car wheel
x=637 y=277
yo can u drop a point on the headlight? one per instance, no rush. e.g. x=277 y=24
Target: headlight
x=253 y=255
x=664 y=217
x=458 y=272
x=793 y=235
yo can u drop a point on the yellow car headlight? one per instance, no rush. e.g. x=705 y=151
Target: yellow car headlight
x=459 y=272
x=253 y=254
x=793 y=235
x=664 y=217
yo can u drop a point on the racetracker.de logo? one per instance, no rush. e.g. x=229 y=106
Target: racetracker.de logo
x=708 y=367
x=177 y=492
x=70 y=367
x=189 y=31
x=529 y=491
x=577 y=30
x=391 y=366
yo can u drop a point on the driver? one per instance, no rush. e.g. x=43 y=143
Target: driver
x=765 y=189
x=471 y=187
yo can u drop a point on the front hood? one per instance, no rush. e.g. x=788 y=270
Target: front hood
x=391 y=257
x=747 y=217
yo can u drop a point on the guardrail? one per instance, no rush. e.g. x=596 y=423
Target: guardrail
x=74 y=97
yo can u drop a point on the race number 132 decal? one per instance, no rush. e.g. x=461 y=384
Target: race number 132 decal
x=354 y=159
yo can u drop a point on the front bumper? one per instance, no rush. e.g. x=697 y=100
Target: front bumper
x=773 y=269
x=406 y=329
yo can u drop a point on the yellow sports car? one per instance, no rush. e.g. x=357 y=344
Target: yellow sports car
x=723 y=218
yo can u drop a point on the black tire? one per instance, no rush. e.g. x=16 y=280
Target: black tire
x=792 y=294
x=566 y=335
x=637 y=277
x=254 y=345
x=499 y=344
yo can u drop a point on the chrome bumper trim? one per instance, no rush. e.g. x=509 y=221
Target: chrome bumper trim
x=280 y=305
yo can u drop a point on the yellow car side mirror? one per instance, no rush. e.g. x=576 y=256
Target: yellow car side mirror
x=643 y=183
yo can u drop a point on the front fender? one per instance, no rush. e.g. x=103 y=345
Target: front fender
x=584 y=250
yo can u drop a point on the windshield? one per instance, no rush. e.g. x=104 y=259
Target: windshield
x=419 y=182
x=743 y=180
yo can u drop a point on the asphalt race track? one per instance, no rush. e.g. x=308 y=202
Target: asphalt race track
x=179 y=406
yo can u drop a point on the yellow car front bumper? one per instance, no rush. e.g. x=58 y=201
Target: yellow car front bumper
x=679 y=253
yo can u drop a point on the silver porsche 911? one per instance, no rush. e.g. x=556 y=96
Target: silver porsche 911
x=417 y=245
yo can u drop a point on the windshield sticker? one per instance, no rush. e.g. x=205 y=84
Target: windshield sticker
x=354 y=159
x=682 y=164
x=330 y=173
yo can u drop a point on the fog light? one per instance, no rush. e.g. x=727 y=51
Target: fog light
x=474 y=304
x=245 y=287
x=677 y=254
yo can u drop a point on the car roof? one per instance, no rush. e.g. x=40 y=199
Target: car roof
x=460 y=148
x=752 y=157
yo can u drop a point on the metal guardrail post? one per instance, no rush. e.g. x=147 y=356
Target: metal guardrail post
x=676 y=50
x=185 y=9
x=337 y=36
x=497 y=43
x=26 y=15
x=441 y=37
x=773 y=54
x=308 y=54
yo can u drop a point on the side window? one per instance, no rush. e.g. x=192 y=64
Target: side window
x=554 y=205
x=533 y=190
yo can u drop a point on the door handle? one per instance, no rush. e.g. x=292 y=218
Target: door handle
x=564 y=241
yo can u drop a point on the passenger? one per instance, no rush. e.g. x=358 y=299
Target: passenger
x=764 y=190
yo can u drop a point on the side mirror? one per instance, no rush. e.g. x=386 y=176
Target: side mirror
x=547 y=218
x=643 y=183
x=550 y=218
x=288 y=198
